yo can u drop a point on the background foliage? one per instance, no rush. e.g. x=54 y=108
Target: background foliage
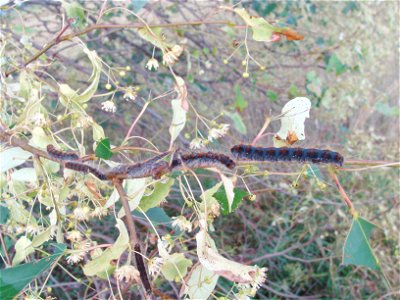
x=347 y=65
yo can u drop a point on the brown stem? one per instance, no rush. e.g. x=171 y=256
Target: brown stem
x=12 y=140
x=342 y=192
x=3 y=245
x=69 y=22
x=135 y=246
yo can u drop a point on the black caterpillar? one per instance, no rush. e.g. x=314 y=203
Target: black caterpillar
x=248 y=152
x=61 y=155
x=82 y=167
x=142 y=269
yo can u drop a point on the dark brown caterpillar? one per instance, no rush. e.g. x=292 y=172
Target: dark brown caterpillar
x=202 y=160
x=61 y=155
x=248 y=152
x=142 y=269
x=152 y=167
x=82 y=167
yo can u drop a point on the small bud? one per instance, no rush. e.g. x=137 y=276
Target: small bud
x=245 y=75
x=244 y=62
x=122 y=73
x=225 y=61
x=262 y=68
x=108 y=86
x=128 y=68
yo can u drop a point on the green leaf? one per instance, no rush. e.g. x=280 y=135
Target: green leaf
x=103 y=261
x=357 y=249
x=272 y=95
x=156 y=215
x=178 y=119
x=154 y=37
x=175 y=266
x=387 y=110
x=240 y=102
x=138 y=4
x=13 y=280
x=75 y=10
x=334 y=64
x=293 y=91
x=237 y=122
x=262 y=30
x=222 y=199
x=201 y=282
x=103 y=149
x=161 y=191
x=4 y=214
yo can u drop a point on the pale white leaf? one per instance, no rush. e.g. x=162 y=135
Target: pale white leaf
x=294 y=114
x=228 y=185
x=42 y=237
x=200 y=283
x=25 y=174
x=23 y=247
x=39 y=138
x=178 y=119
x=215 y=262
x=13 y=157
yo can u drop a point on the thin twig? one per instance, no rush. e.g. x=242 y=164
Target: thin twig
x=3 y=245
x=131 y=228
x=342 y=192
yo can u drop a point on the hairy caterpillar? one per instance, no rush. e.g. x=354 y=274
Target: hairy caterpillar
x=202 y=160
x=61 y=155
x=151 y=167
x=82 y=167
x=248 y=152
x=142 y=269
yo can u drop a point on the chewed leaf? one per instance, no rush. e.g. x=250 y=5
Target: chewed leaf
x=357 y=249
x=161 y=191
x=293 y=116
x=200 y=283
x=103 y=261
x=262 y=30
x=215 y=262
x=69 y=97
x=222 y=199
x=178 y=119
